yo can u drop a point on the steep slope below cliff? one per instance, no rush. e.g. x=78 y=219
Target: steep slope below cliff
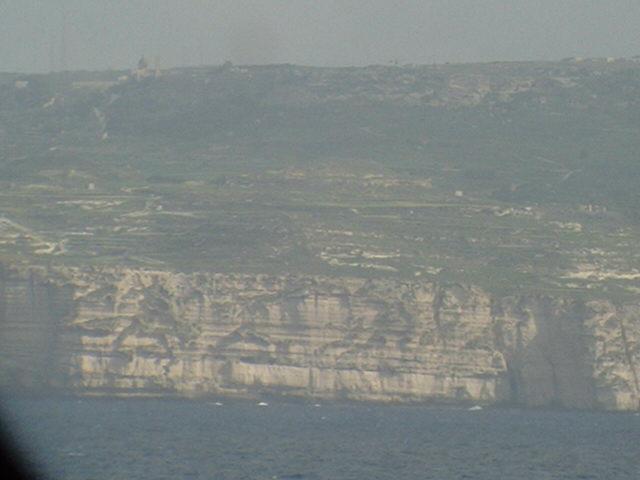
x=515 y=177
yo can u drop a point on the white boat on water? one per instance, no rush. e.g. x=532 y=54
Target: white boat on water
x=263 y=404
x=475 y=408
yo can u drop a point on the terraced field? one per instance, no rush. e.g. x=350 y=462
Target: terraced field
x=513 y=177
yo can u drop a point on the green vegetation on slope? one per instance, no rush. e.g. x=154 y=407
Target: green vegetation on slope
x=518 y=176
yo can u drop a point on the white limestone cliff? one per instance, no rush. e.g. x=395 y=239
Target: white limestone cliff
x=128 y=332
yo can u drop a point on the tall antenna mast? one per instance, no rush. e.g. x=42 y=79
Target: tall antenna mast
x=105 y=45
x=63 y=40
x=202 y=31
x=201 y=50
x=52 y=53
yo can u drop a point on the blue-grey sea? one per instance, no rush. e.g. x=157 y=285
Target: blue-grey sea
x=98 y=438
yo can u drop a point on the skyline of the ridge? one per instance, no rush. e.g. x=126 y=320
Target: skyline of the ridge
x=56 y=35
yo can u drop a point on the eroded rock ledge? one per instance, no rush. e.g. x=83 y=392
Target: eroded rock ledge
x=125 y=331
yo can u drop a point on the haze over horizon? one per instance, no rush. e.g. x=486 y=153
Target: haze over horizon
x=98 y=35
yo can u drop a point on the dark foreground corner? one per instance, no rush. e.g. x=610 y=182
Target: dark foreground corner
x=13 y=463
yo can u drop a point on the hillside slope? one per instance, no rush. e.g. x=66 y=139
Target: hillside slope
x=514 y=180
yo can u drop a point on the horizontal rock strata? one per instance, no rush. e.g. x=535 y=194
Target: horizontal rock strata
x=124 y=331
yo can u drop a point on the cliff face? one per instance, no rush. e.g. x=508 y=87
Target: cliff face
x=127 y=331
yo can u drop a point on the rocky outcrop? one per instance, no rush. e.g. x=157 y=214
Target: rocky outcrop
x=124 y=331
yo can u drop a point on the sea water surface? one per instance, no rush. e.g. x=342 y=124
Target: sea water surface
x=99 y=438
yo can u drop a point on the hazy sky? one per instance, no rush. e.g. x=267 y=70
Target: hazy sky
x=114 y=33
